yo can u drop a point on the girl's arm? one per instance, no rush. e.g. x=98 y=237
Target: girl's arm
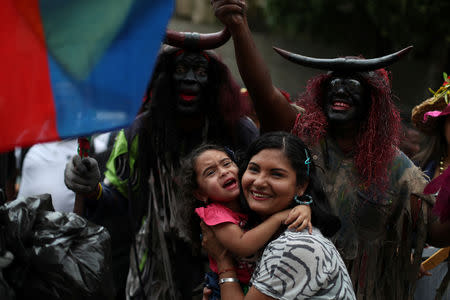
x=228 y=290
x=246 y=243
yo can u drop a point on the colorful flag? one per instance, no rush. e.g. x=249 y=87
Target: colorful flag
x=74 y=67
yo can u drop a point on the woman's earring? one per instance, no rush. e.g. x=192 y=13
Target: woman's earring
x=298 y=200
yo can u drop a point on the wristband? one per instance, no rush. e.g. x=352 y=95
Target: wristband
x=225 y=280
x=100 y=190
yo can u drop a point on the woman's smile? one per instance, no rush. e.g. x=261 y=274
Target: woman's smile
x=259 y=195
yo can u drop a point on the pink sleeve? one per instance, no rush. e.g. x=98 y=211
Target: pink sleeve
x=215 y=214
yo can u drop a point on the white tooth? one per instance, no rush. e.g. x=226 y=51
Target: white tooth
x=258 y=195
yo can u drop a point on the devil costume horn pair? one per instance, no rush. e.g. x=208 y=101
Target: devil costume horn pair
x=344 y=64
x=197 y=41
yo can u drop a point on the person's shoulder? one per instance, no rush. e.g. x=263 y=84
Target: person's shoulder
x=315 y=238
x=402 y=164
x=401 y=157
x=403 y=172
x=247 y=131
x=245 y=123
x=215 y=213
x=140 y=124
x=302 y=243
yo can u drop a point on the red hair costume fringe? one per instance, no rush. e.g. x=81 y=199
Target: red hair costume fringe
x=378 y=138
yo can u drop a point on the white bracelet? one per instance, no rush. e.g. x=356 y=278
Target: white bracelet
x=223 y=280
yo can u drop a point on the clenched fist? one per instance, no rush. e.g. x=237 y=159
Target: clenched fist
x=82 y=175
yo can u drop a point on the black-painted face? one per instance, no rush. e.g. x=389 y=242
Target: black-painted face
x=345 y=100
x=191 y=78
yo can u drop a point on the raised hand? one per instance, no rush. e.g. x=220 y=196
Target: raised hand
x=82 y=175
x=230 y=12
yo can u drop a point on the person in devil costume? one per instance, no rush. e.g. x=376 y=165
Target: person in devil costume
x=191 y=99
x=348 y=118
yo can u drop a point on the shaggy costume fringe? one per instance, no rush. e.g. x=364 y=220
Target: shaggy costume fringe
x=378 y=138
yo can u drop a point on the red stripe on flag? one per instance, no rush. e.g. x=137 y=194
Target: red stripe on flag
x=24 y=77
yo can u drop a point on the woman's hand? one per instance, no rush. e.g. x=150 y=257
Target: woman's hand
x=230 y=12
x=299 y=218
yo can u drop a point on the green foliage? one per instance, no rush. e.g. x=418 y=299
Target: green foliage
x=381 y=25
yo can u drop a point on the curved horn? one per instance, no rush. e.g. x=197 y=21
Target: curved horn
x=344 y=63
x=197 y=41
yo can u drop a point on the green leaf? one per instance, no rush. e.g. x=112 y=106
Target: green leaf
x=445 y=76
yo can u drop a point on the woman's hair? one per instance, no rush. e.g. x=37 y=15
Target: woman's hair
x=434 y=148
x=297 y=154
x=187 y=185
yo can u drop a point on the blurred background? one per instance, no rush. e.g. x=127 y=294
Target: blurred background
x=332 y=28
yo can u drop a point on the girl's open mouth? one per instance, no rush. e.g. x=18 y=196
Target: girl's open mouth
x=230 y=184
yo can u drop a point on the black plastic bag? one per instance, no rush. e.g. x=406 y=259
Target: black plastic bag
x=6 y=292
x=56 y=255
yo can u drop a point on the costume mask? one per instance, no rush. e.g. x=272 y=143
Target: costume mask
x=345 y=100
x=190 y=78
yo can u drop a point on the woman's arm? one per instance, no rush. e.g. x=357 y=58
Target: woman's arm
x=272 y=108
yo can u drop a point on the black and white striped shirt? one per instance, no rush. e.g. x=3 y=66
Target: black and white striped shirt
x=298 y=265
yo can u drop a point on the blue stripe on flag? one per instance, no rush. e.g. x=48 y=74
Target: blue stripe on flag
x=111 y=95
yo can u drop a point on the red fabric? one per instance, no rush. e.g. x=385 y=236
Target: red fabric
x=24 y=77
x=286 y=95
x=215 y=214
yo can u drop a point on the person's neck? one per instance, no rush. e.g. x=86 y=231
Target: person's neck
x=345 y=135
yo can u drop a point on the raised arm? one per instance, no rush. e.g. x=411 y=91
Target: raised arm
x=273 y=110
